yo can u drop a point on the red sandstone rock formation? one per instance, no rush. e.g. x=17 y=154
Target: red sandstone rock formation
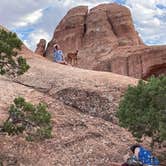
x=69 y=33
x=139 y=62
x=41 y=47
x=107 y=41
x=100 y=30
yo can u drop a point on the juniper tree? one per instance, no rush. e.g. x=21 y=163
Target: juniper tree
x=143 y=109
x=25 y=118
x=33 y=121
x=10 y=63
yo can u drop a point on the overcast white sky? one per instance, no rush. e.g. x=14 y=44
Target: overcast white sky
x=36 y=19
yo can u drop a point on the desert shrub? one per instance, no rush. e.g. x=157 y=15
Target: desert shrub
x=10 y=63
x=143 y=109
x=33 y=121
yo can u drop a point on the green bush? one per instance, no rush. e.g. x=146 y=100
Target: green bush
x=10 y=64
x=1 y=163
x=33 y=121
x=143 y=109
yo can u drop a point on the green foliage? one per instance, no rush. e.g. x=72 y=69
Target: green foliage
x=10 y=64
x=143 y=109
x=1 y=163
x=28 y=119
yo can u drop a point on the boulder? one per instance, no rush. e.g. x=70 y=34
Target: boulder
x=40 y=49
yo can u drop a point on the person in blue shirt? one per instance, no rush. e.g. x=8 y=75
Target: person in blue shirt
x=58 y=55
x=141 y=156
x=144 y=155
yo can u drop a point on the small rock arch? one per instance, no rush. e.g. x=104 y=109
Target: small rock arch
x=155 y=70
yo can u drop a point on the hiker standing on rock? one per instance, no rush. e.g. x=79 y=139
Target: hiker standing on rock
x=58 y=55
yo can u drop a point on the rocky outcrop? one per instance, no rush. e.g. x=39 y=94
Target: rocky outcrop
x=98 y=31
x=41 y=47
x=110 y=25
x=139 y=62
x=69 y=33
x=90 y=102
x=107 y=41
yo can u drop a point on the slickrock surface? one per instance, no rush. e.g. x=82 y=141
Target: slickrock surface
x=82 y=103
x=85 y=132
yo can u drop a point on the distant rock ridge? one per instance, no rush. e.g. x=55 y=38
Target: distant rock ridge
x=107 y=41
